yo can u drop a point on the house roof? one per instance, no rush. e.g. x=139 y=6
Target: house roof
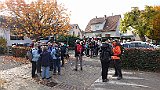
x=110 y=23
x=73 y=25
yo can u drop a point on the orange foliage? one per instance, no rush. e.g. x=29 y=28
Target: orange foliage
x=156 y=23
x=37 y=18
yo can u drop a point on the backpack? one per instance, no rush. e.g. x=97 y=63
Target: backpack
x=58 y=53
x=79 y=48
x=29 y=55
x=105 y=54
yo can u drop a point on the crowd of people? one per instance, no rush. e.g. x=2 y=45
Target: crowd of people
x=46 y=57
x=106 y=49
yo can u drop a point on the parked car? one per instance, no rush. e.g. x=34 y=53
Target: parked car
x=137 y=44
x=21 y=44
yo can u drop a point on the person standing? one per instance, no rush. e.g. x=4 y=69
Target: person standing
x=105 y=58
x=35 y=58
x=91 y=46
x=63 y=51
x=87 y=49
x=38 y=62
x=56 y=59
x=50 y=47
x=45 y=62
x=116 y=60
x=78 y=54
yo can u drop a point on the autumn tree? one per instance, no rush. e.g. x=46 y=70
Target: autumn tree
x=139 y=21
x=36 y=18
x=154 y=33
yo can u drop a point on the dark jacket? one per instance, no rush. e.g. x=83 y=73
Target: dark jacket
x=63 y=50
x=106 y=48
x=45 y=59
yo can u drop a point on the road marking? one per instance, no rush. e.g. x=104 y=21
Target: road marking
x=128 y=84
x=99 y=82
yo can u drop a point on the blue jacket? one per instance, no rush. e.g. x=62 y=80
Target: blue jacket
x=45 y=59
x=53 y=53
x=35 y=54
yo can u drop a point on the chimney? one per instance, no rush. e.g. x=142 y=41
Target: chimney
x=105 y=16
x=96 y=16
x=112 y=14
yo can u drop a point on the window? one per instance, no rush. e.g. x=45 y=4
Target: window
x=107 y=35
x=44 y=38
x=96 y=27
x=16 y=37
x=76 y=27
x=78 y=34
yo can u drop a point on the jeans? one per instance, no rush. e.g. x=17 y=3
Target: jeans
x=57 y=64
x=78 y=58
x=45 y=72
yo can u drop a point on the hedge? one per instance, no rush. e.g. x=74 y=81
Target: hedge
x=135 y=59
x=18 y=51
x=3 y=44
x=3 y=50
x=141 y=59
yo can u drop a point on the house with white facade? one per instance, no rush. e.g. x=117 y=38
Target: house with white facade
x=76 y=31
x=12 y=39
x=104 y=27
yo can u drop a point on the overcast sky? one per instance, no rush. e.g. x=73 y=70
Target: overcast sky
x=84 y=10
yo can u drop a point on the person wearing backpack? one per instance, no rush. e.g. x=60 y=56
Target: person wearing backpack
x=116 y=60
x=56 y=59
x=78 y=54
x=105 y=58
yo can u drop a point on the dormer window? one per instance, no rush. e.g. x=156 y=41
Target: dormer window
x=76 y=27
x=96 y=27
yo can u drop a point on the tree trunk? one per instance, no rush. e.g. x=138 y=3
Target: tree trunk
x=142 y=37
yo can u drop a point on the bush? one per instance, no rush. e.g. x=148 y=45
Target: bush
x=3 y=50
x=3 y=44
x=141 y=59
x=18 y=51
x=71 y=40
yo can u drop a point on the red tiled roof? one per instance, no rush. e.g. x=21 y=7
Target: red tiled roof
x=110 y=25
